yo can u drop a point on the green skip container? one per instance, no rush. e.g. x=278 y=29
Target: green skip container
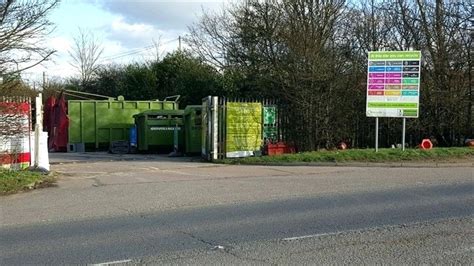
x=97 y=123
x=156 y=130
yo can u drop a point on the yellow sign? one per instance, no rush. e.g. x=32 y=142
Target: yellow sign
x=244 y=128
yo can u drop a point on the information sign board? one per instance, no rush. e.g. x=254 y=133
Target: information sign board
x=393 y=84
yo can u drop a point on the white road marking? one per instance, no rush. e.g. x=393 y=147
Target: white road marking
x=111 y=262
x=308 y=236
x=185 y=174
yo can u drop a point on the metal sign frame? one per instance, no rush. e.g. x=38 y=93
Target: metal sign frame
x=393 y=87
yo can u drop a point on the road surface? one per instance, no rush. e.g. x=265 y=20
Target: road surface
x=181 y=212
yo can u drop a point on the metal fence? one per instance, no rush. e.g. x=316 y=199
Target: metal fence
x=239 y=127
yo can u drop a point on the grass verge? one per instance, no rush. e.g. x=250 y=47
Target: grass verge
x=362 y=155
x=15 y=181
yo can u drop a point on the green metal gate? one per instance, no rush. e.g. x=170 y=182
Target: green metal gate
x=237 y=127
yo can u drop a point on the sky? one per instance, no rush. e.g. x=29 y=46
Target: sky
x=126 y=30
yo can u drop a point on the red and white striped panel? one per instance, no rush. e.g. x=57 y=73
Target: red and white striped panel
x=14 y=135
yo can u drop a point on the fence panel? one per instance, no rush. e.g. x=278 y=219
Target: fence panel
x=15 y=131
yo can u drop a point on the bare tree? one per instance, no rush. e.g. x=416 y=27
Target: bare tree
x=312 y=54
x=85 y=55
x=23 y=27
x=154 y=54
x=210 y=39
x=284 y=49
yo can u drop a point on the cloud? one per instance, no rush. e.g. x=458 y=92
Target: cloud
x=165 y=15
x=60 y=44
x=132 y=35
x=125 y=28
x=136 y=29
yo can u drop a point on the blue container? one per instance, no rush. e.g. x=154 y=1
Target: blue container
x=133 y=136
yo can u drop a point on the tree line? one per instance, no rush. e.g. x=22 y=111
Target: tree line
x=178 y=73
x=311 y=56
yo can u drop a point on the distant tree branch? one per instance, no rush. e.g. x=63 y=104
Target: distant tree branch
x=23 y=27
x=85 y=55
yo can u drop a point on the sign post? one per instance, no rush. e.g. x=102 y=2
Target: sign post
x=376 y=134
x=403 y=133
x=393 y=86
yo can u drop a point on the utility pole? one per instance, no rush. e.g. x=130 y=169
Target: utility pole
x=179 y=43
x=44 y=79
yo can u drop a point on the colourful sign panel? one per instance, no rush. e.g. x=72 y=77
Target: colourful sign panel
x=393 y=84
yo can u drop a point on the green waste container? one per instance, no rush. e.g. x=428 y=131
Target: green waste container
x=97 y=123
x=156 y=129
x=193 y=128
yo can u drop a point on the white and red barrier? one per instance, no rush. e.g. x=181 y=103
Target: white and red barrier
x=15 y=131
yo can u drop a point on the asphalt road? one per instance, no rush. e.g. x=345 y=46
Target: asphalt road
x=435 y=207
x=149 y=237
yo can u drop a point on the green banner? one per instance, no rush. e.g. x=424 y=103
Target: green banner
x=396 y=55
x=410 y=112
x=391 y=105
